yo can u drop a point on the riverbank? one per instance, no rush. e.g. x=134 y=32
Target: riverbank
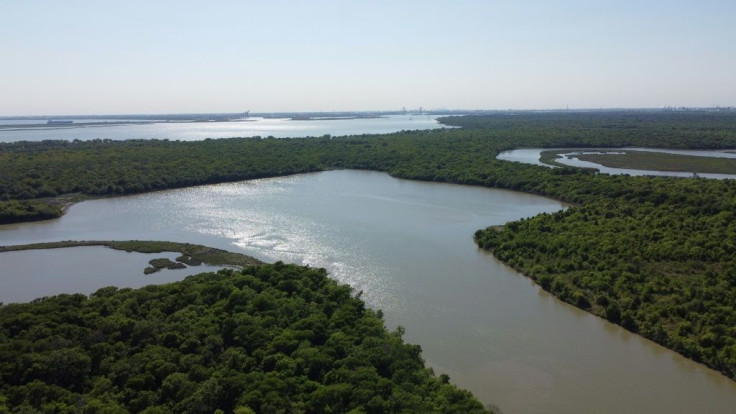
x=192 y=254
x=405 y=244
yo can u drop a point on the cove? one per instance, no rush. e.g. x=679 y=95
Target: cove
x=408 y=246
x=30 y=274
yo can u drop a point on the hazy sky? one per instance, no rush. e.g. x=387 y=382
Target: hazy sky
x=98 y=57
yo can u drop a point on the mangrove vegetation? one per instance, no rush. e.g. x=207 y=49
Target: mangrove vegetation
x=653 y=254
x=273 y=338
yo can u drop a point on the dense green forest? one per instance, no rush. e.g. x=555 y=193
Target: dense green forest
x=665 y=269
x=268 y=339
x=34 y=174
x=653 y=254
x=689 y=129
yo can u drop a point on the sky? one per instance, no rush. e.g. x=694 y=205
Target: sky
x=138 y=57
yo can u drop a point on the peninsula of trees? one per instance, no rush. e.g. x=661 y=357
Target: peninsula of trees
x=272 y=338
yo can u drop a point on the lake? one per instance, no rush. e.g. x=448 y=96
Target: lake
x=531 y=156
x=85 y=130
x=408 y=246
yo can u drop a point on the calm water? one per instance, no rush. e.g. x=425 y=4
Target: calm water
x=531 y=156
x=408 y=246
x=29 y=274
x=195 y=131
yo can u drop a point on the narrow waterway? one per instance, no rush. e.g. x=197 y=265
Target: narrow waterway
x=569 y=157
x=408 y=246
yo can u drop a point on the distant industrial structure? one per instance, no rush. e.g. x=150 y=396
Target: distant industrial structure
x=61 y=120
x=691 y=109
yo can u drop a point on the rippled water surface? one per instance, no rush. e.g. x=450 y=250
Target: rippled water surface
x=408 y=246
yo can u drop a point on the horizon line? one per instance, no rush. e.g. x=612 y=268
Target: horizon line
x=435 y=111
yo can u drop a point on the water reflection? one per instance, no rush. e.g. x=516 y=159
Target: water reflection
x=409 y=247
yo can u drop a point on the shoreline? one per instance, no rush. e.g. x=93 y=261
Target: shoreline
x=190 y=252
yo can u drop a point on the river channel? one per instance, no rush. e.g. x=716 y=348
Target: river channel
x=569 y=157
x=408 y=246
